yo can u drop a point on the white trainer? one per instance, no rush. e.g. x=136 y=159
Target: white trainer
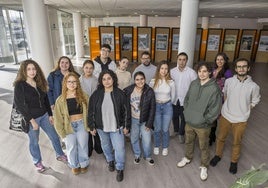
x=165 y=151
x=183 y=162
x=203 y=173
x=156 y=151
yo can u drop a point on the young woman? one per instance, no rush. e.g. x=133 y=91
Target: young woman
x=164 y=89
x=64 y=66
x=124 y=77
x=70 y=120
x=89 y=84
x=221 y=72
x=142 y=101
x=30 y=97
x=109 y=115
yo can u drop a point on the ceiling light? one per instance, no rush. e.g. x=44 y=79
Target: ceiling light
x=212 y=16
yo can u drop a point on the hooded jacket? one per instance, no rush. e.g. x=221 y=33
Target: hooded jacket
x=202 y=104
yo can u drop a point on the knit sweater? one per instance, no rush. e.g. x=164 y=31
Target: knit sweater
x=124 y=78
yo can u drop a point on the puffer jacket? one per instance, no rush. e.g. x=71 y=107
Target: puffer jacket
x=147 y=104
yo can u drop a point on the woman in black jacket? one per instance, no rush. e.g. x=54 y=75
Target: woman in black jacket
x=109 y=114
x=31 y=100
x=142 y=101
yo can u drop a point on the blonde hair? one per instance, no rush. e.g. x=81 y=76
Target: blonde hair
x=80 y=96
x=157 y=76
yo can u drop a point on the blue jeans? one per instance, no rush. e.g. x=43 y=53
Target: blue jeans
x=77 y=146
x=138 y=129
x=43 y=122
x=163 y=116
x=113 y=141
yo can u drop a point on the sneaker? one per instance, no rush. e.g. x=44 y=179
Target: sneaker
x=215 y=160
x=183 y=162
x=63 y=158
x=137 y=160
x=40 y=167
x=150 y=161
x=181 y=139
x=76 y=171
x=156 y=150
x=119 y=175
x=111 y=166
x=233 y=168
x=165 y=152
x=203 y=173
x=84 y=170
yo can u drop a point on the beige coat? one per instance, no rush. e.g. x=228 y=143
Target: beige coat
x=61 y=117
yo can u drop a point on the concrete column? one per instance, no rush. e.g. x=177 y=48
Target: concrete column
x=188 y=26
x=86 y=24
x=78 y=35
x=36 y=17
x=143 y=20
x=205 y=22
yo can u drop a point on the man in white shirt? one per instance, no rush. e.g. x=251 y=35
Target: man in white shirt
x=182 y=76
x=103 y=62
x=146 y=67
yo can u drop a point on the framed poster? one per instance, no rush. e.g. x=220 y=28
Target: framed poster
x=247 y=42
x=126 y=42
x=144 y=40
x=161 y=44
x=213 y=44
x=262 y=52
x=107 y=36
x=230 y=42
x=175 y=38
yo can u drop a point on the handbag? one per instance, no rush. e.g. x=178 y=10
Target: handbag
x=18 y=122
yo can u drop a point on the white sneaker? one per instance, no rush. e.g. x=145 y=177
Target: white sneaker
x=203 y=173
x=156 y=150
x=183 y=162
x=165 y=152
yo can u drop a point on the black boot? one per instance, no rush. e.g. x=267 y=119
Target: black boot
x=120 y=175
x=215 y=160
x=233 y=168
x=111 y=166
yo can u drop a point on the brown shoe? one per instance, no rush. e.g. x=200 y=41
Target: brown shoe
x=84 y=170
x=76 y=171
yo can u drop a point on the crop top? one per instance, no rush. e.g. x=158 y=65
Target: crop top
x=73 y=108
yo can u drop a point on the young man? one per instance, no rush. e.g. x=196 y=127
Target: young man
x=202 y=106
x=241 y=94
x=146 y=67
x=182 y=76
x=103 y=62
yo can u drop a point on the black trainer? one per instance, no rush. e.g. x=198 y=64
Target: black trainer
x=233 y=168
x=120 y=175
x=137 y=160
x=215 y=160
x=111 y=166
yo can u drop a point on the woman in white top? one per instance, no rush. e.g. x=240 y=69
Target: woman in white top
x=89 y=84
x=164 y=89
x=124 y=77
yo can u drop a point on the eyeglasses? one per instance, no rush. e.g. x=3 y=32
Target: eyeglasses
x=242 y=67
x=71 y=82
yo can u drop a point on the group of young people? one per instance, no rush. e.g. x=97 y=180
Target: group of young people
x=99 y=108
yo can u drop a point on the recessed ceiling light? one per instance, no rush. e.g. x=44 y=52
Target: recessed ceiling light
x=212 y=16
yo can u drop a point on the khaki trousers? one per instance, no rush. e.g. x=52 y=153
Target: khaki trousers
x=203 y=138
x=238 y=130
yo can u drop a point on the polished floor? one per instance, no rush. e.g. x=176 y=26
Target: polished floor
x=17 y=170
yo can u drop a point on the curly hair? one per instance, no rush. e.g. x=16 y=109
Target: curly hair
x=112 y=74
x=157 y=73
x=80 y=97
x=39 y=78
